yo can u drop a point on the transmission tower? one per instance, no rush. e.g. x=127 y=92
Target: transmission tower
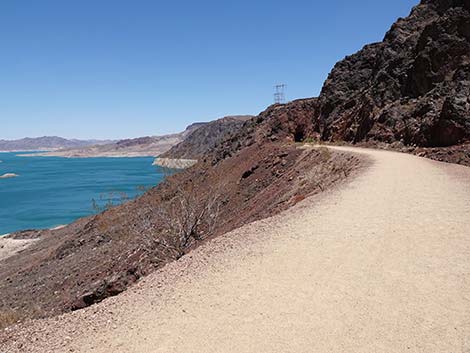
x=279 y=96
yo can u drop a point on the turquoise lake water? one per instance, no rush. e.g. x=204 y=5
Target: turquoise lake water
x=52 y=191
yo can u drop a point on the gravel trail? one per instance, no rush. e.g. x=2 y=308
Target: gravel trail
x=381 y=264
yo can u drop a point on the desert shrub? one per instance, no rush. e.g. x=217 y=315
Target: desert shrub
x=309 y=140
x=114 y=198
x=108 y=200
x=189 y=216
x=8 y=318
x=142 y=189
x=325 y=154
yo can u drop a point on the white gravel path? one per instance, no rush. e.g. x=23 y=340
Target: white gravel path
x=380 y=265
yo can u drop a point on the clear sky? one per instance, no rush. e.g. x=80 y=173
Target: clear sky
x=128 y=68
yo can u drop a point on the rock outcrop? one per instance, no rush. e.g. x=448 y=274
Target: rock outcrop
x=414 y=87
x=205 y=138
x=292 y=122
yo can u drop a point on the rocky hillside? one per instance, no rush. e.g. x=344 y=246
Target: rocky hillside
x=413 y=87
x=200 y=141
x=45 y=143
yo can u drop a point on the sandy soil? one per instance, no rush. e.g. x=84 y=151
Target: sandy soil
x=380 y=265
x=9 y=247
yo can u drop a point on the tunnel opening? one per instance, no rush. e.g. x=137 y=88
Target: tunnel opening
x=299 y=135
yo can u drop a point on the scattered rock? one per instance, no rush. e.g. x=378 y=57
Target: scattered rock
x=249 y=172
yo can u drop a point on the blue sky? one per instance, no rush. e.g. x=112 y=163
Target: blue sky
x=115 y=68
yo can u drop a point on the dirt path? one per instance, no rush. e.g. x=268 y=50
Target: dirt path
x=380 y=265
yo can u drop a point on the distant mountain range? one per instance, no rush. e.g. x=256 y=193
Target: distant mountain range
x=46 y=143
x=138 y=147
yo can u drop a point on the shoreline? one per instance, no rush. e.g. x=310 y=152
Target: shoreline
x=174 y=163
x=82 y=157
x=10 y=247
x=60 y=226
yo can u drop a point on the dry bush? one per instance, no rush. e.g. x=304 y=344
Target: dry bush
x=189 y=216
x=315 y=175
x=325 y=154
x=8 y=318
x=186 y=215
x=328 y=166
x=109 y=200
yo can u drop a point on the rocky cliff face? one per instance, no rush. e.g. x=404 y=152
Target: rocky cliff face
x=291 y=122
x=206 y=137
x=413 y=87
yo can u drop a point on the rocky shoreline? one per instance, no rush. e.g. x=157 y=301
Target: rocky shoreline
x=10 y=247
x=174 y=163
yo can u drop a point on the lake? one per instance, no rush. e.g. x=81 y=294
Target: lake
x=52 y=191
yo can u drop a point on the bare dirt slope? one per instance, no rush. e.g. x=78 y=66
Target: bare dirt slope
x=380 y=265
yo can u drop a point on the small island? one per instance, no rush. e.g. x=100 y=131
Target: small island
x=8 y=175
